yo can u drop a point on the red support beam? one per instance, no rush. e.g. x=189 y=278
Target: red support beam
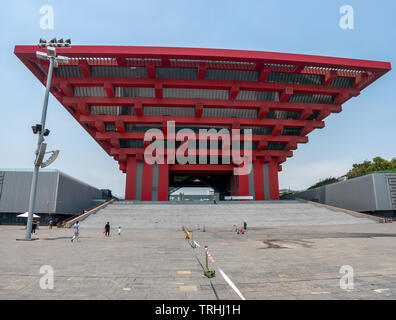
x=198 y=110
x=342 y=97
x=278 y=128
x=99 y=125
x=234 y=92
x=204 y=121
x=138 y=107
x=121 y=62
x=323 y=114
x=291 y=145
x=84 y=68
x=264 y=73
x=286 y=94
x=206 y=84
x=66 y=88
x=298 y=68
x=263 y=143
x=182 y=102
x=263 y=111
x=306 y=113
x=307 y=129
x=196 y=136
x=120 y=126
x=360 y=79
x=150 y=69
x=165 y=63
x=44 y=64
x=164 y=152
x=83 y=108
x=109 y=88
x=158 y=91
x=115 y=143
x=329 y=77
x=201 y=71
x=235 y=124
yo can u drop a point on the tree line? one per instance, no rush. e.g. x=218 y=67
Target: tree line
x=378 y=164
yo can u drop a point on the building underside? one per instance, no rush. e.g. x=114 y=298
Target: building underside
x=118 y=93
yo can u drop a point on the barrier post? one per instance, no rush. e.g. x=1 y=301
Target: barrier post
x=208 y=273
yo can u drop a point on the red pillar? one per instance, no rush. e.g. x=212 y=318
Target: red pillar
x=163 y=182
x=147 y=181
x=243 y=185
x=273 y=179
x=130 y=187
x=258 y=180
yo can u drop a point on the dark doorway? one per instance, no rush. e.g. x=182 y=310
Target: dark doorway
x=219 y=182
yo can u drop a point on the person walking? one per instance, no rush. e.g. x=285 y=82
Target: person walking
x=76 y=232
x=34 y=226
x=119 y=231
x=50 y=224
x=107 y=229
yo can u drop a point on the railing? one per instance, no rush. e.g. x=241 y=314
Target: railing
x=69 y=221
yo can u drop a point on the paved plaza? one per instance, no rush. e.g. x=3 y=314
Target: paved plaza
x=152 y=260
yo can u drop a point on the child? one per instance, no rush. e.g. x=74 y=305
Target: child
x=119 y=231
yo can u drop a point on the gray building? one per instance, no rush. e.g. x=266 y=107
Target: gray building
x=58 y=195
x=373 y=193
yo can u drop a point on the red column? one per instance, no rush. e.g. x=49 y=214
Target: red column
x=130 y=187
x=163 y=182
x=258 y=180
x=273 y=179
x=243 y=185
x=147 y=181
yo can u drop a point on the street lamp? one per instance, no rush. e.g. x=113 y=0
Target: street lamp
x=40 y=128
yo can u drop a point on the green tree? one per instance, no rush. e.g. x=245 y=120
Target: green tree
x=323 y=182
x=366 y=167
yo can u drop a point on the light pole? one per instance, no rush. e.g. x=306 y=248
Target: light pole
x=40 y=128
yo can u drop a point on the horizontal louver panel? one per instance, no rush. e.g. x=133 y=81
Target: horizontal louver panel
x=311 y=98
x=238 y=75
x=176 y=73
x=229 y=113
x=89 y=92
x=195 y=93
x=258 y=96
x=343 y=82
x=112 y=110
x=282 y=114
x=294 y=78
x=68 y=71
x=134 y=92
x=120 y=72
x=257 y=130
x=169 y=111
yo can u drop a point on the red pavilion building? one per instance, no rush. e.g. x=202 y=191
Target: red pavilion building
x=118 y=93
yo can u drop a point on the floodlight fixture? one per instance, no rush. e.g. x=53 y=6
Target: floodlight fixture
x=52 y=42
x=51 y=51
x=62 y=59
x=41 y=55
x=42 y=43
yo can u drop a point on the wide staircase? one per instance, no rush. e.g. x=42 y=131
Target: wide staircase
x=223 y=215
